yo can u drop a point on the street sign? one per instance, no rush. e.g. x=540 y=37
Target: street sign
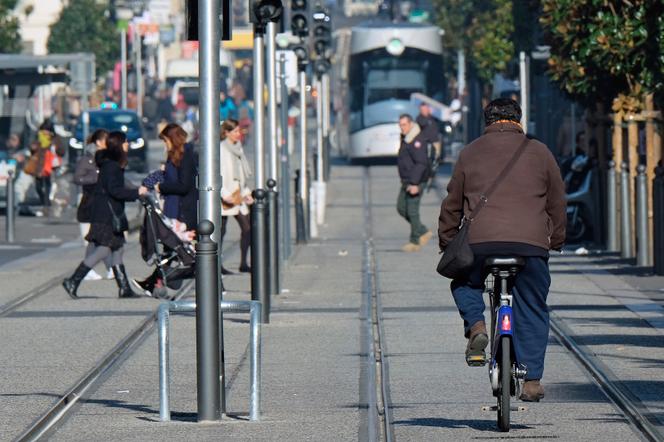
x=122 y=25
x=290 y=69
x=82 y=74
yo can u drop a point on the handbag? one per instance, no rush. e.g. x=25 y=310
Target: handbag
x=458 y=256
x=235 y=197
x=119 y=223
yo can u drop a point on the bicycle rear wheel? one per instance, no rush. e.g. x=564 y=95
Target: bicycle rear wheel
x=505 y=370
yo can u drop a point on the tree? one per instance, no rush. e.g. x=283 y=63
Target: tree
x=482 y=28
x=83 y=27
x=10 y=37
x=603 y=49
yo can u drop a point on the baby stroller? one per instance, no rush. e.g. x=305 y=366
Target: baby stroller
x=173 y=258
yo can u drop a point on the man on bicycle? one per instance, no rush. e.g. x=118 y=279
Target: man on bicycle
x=524 y=217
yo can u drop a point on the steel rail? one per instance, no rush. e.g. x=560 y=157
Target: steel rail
x=380 y=414
x=622 y=398
x=62 y=407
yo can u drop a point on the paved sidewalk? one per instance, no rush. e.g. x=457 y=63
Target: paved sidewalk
x=314 y=365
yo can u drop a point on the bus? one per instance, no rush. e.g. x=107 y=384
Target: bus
x=379 y=66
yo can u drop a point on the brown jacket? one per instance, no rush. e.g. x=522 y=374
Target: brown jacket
x=527 y=207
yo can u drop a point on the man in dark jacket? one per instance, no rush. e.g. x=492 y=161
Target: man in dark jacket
x=525 y=216
x=413 y=171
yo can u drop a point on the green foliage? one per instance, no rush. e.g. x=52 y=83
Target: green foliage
x=83 y=27
x=602 y=49
x=482 y=28
x=10 y=37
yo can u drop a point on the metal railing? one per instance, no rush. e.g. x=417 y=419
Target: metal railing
x=253 y=307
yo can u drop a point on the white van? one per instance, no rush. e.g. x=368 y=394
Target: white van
x=186 y=69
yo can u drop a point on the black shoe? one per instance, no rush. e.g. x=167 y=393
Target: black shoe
x=71 y=284
x=145 y=287
x=245 y=269
x=121 y=279
x=225 y=271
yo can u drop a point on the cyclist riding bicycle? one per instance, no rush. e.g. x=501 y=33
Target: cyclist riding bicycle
x=525 y=217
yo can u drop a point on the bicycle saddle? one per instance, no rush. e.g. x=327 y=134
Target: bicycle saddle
x=504 y=262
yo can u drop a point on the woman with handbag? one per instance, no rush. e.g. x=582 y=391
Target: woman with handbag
x=86 y=175
x=108 y=219
x=235 y=192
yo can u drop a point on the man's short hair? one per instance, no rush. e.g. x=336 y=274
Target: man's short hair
x=406 y=116
x=502 y=109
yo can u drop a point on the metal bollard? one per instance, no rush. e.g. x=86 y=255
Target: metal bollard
x=611 y=208
x=207 y=325
x=658 y=220
x=643 y=240
x=163 y=316
x=259 y=256
x=625 y=212
x=11 y=205
x=272 y=238
x=300 y=230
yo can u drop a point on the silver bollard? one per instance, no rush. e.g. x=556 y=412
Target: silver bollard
x=625 y=212
x=611 y=208
x=642 y=256
x=163 y=315
x=9 y=213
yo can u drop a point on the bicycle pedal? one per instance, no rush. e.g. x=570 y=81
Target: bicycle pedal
x=495 y=408
x=476 y=360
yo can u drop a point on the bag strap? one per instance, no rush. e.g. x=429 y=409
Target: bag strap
x=501 y=176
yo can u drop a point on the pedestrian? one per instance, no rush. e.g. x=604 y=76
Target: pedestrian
x=108 y=220
x=178 y=189
x=235 y=190
x=413 y=165
x=85 y=175
x=524 y=217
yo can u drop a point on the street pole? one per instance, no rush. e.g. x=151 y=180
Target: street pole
x=319 y=186
x=209 y=340
x=10 y=217
x=642 y=234
x=612 y=208
x=285 y=165
x=123 y=66
x=259 y=289
x=626 y=222
x=139 y=72
x=272 y=193
x=524 y=69
x=325 y=91
x=303 y=200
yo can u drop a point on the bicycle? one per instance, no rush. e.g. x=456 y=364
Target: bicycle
x=505 y=371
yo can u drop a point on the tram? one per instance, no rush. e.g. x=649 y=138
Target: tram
x=378 y=67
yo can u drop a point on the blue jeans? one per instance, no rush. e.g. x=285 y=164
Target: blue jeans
x=531 y=315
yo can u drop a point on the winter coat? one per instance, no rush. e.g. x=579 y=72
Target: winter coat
x=179 y=190
x=233 y=178
x=111 y=189
x=528 y=207
x=412 y=161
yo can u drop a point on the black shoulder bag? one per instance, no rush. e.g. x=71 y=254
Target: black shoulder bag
x=458 y=257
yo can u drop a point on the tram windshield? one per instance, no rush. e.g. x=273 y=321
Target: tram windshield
x=381 y=84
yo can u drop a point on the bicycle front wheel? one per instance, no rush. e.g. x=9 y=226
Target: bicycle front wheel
x=505 y=370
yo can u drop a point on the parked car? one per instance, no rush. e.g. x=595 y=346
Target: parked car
x=123 y=120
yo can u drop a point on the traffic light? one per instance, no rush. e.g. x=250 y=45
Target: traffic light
x=322 y=37
x=264 y=11
x=302 y=57
x=299 y=22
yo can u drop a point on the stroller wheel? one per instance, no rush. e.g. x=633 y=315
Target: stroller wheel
x=160 y=293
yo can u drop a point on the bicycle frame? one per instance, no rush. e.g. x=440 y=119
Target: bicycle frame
x=501 y=322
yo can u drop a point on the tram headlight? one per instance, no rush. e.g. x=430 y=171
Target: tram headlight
x=395 y=47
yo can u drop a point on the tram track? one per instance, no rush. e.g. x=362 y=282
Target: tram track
x=376 y=389
x=56 y=414
x=634 y=411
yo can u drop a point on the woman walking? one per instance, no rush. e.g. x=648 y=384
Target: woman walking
x=235 y=191
x=178 y=189
x=86 y=175
x=108 y=220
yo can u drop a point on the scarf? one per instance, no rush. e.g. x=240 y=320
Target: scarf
x=241 y=166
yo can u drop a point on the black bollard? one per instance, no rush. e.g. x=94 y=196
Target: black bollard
x=300 y=229
x=326 y=159
x=259 y=256
x=274 y=266
x=207 y=326
x=658 y=220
